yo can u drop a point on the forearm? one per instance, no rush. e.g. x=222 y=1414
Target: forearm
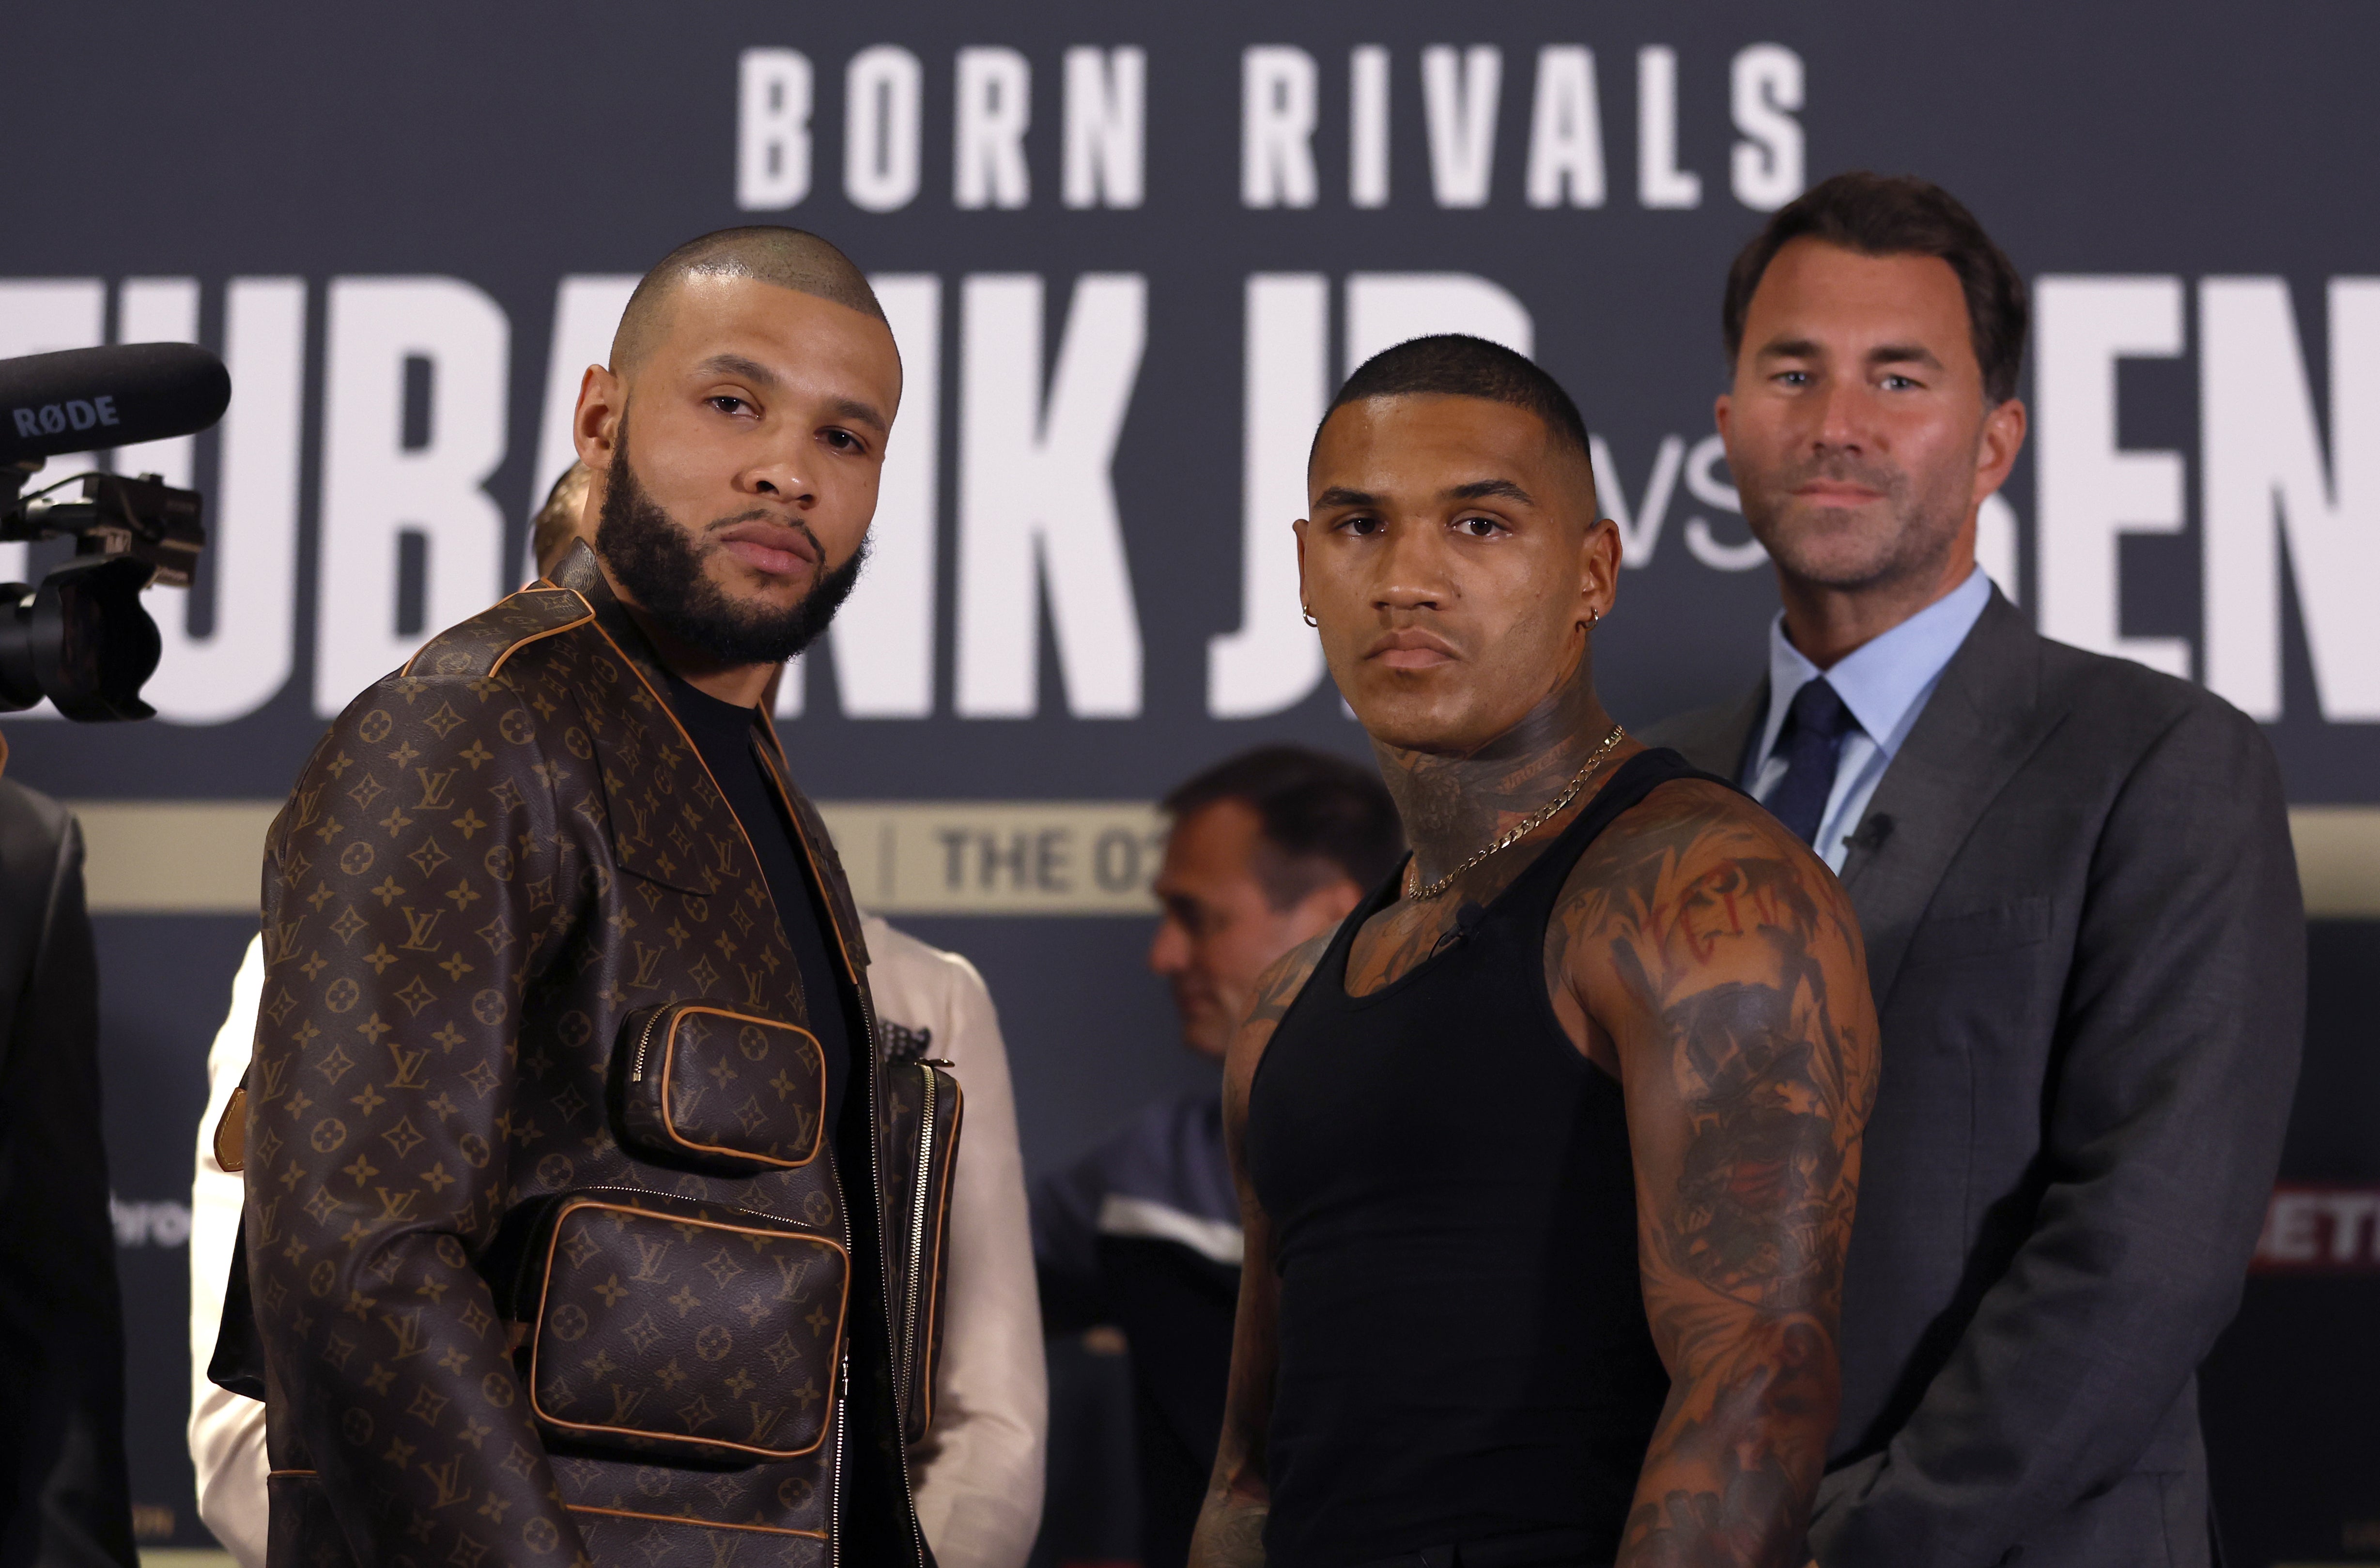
x=979 y=1486
x=1733 y=1467
x=1231 y=1531
x=979 y=1470
x=1232 y=1521
x=1239 y=1502
x=227 y=1454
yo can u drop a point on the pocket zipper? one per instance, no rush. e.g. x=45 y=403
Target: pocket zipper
x=917 y=1233
x=788 y=1225
x=644 y=1043
x=834 y=1485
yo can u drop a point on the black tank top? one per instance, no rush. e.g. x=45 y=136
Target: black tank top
x=1463 y=1350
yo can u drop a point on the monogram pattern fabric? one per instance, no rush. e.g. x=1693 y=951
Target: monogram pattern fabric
x=685 y=1329
x=489 y=861
x=718 y=1089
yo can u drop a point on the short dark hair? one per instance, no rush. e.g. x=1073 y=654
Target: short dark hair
x=789 y=258
x=1322 y=817
x=1898 y=215
x=1455 y=364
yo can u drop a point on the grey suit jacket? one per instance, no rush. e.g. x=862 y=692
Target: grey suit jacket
x=2087 y=947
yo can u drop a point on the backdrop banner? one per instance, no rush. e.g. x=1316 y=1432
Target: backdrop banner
x=1127 y=257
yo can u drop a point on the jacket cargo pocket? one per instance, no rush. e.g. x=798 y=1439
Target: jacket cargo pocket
x=922 y=1112
x=660 y=1326
x=706 y=1088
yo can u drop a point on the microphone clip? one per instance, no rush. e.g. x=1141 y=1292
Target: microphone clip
x=1871 y=834
x=161 y=528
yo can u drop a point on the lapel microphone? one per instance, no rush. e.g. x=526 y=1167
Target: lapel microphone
x=1466 y=919
x=1872 y=832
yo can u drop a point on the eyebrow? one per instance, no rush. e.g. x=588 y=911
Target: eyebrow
x=1902 y=354
x=1477 y=489
x=738 y=365
x=862 y=413
x=1883 y=354
x=759 y=375
x=1481 y=489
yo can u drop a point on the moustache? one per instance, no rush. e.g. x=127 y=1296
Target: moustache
x=763 y=514
x=1884 y=480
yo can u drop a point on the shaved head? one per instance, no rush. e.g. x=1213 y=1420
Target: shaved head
x=789 y=258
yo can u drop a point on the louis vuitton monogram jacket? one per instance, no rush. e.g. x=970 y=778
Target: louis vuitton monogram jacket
x=551 y=1258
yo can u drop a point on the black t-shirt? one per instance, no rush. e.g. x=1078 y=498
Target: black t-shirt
x=723 y=732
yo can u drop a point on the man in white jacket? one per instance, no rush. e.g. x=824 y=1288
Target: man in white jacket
x=979 y=1466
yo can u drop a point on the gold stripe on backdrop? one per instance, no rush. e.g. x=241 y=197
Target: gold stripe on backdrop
x=929 y=857
x=903 y=857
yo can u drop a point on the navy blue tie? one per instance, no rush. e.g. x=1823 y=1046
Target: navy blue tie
x=1812 y=743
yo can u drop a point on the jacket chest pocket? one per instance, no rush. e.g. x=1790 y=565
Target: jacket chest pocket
x=1966 y=936
x=705 y=1087
x=663 y=1327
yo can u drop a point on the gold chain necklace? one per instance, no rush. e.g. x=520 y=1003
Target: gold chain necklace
x=1527 y=824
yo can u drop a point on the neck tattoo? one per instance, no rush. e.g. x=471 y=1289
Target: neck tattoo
x=1526 y=826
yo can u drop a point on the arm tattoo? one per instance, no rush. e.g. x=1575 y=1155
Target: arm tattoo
x=1278 y=986
x=1727 y=964
x=1232 y=1521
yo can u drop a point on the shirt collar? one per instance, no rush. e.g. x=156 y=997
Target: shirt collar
x=1885 y=680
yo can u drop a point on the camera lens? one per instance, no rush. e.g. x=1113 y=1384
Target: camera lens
x=81 y=639
x=20 y=688
x=92 y=643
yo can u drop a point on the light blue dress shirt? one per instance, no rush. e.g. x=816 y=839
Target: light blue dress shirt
x=1884 y=683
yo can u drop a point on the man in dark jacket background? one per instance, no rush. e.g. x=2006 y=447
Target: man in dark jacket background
x=2083 y=929
x=63 y=1499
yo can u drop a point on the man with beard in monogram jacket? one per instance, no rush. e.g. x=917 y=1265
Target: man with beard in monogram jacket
x=565 y=1153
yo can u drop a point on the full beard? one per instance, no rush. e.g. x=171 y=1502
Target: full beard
x=665 y=569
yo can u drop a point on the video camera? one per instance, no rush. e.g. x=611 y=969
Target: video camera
x=81 y=639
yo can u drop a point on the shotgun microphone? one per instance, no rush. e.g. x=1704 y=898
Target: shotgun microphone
x=81 y=636
x=119 y=395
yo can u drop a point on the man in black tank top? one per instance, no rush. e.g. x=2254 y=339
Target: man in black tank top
x=1547 y=1158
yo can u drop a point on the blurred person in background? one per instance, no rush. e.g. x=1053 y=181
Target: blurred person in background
x=979 y=1468
x=1267 y=850
x=564 y=516
x=64 y=1499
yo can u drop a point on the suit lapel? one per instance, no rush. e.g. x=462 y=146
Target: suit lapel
x=1981 y=723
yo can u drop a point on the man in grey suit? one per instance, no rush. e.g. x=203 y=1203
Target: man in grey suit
x=2082 y=913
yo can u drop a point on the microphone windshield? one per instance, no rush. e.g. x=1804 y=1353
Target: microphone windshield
x=85 y=398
